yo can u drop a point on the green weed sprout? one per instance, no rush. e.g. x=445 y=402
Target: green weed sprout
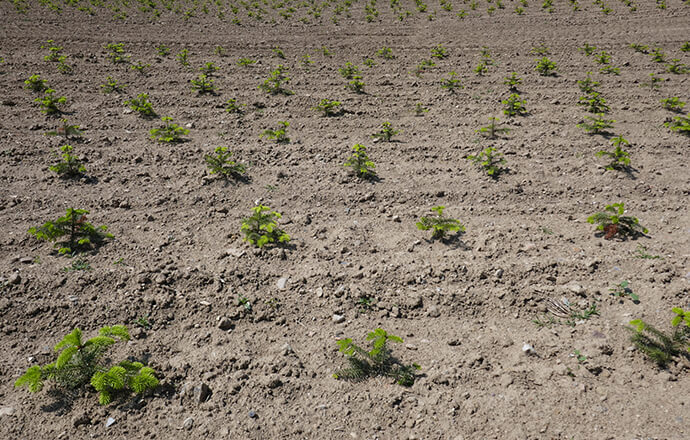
x=66 y=130
x=514 y=106
x=49 y=102
x=674 y=104
x=439 y=52
x=680 y=124
x=622 y=290
x=613 y=223
x=360 y=163
x=492 y=130
x=588 y=49
x=596 y=125
x=349 y=71
x=545 y=67
x=490 y=161
x=203 y=84
x=594 y=103
x=440 y=224
x=275 y=83
x=221 y=164
x=117 y=53
x=452 y=83
x=386 y=133
x=141 y=105
x=245 y=62
x=261 y=228
x=72 y=232
x=386 y=53
x=111 y=85
x=512 y=81
x=279 y=134
x=620 y=160
x=231 y=106
x=80 y=363
x=35 y=83
x=377 y=362
x=69 y=166
x=328 y=107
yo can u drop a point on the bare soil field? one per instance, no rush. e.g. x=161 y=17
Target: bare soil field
x=519 y=323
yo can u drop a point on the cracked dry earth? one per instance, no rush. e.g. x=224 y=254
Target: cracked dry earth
x=356 y=261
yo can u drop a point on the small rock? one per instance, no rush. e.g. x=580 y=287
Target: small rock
x=528 y=349
x=161 y=279
x=252 y=414
x=202 y=393
x=499 y=273
x=282 y=283
x=396 y=218
x=188 y=424
x=233 y=252
x=110 y=422
x=338 y=318
x=225 y=323
x=7 y=411
x=272 y=381
x=26 y=260
x=14 y=278
x=576 y=288
x=434 y=312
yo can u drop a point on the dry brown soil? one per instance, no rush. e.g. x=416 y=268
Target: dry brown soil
x=464 y=307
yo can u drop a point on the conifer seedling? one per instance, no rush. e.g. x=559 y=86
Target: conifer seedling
x=66 y=130
x=452 y=83
x=49 y=103
x=360 y=163
x=379 y=361
x=112 y=85
x=386 y=133
x=490 y=161
x=328 y=107
x=169 y=132
x=613 y=223
x=512 y=81
x=546 y=67
x=261 y=228
x=183 y=57
x=620 y=160
x=70 y=165
x=141 y=105
x=349 y=71
x=117 y=53
x=514 y=106
x=440 y=224
x=231 y=106
x=72 y=232
x=279 y=134
x=203 y=84
x=588 y=49
x=596 y=125
x=35 y=83
x=245 y=62
x=81 y=363
x=275 y=83
x=680 y=124
x=221 y=164
x=674 y=104
x=492 y=130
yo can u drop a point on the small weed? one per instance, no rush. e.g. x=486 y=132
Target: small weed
x=261 y=228
x=642 y=253
x=654 y=82
x=143 y=322
x=78 y=263
x=377 y=362
x=622 y=290
x=613 y=223
x=581 y=358
x=244 y=302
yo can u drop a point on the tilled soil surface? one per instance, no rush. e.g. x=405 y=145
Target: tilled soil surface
x=464 y=306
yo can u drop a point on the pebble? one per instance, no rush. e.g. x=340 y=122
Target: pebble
x=26 y=260
x=110 y=422
x=282 y=283
x=528 y=349
x=252 y=414
x=15 y=278
x=338 y=318
x=188 y=423
x=576 y=288
x=434 y=312
x=81 y=419
x=225 y=323
x=202 y=393
x=7 y=411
